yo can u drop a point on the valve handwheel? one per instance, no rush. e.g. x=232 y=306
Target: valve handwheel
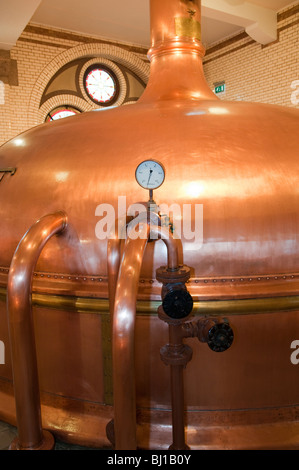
x=220 y=337
x=178 y=304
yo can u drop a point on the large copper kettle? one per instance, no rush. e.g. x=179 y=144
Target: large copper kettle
x=239 y=161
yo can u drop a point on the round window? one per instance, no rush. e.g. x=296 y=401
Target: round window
x=101 y=85
x=61 y=112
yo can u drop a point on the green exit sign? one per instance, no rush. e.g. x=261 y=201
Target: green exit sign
x=219 y=88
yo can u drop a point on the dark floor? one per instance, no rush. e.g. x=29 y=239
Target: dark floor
x=8 y=433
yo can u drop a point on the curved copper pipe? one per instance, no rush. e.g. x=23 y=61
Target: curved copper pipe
x=114 y=250
x=123 y=336
x=123 y=341
x=171 y=244
x=21 y=331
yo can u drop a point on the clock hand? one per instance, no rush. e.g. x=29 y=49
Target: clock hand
x=149 y=177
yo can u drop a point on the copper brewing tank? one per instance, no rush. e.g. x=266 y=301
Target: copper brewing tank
x=239 y=160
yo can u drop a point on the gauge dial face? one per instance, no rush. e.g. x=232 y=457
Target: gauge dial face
x=150 y=174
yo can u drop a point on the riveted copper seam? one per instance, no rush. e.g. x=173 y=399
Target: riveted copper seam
x=21 y=330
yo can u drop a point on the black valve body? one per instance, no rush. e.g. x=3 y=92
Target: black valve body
x=220 y=337
x=177 y=303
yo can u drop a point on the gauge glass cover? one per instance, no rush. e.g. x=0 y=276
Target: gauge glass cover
x=150 y=174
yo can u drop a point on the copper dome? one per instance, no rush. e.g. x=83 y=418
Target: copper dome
x=239 y=161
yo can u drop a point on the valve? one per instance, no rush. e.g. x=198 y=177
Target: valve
x=178 y=304
x=220 y=337
x=216 y=332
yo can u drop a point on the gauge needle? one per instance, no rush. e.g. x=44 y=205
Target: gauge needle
x=149 y=177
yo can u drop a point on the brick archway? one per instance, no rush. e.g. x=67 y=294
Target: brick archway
x=108 y=51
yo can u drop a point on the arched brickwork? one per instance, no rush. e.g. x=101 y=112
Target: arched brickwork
x=36 y=114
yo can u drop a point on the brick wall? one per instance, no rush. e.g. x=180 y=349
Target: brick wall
x=39 y=54
x=268 y=74
x=252 y=72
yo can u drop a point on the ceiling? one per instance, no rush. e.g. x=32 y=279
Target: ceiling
x=129 y=21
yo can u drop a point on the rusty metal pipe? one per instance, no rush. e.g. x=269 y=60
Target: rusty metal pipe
x=177 y=401
x=177 y=355
x=177 y=388
x=21 y=331
x=177 y=306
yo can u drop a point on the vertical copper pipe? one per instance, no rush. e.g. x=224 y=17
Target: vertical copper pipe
x=114 y=250
x=123 y=341
x=123 y=336
x=21 y=331
x=163 y=15
x=176 y=53
x=113 y=263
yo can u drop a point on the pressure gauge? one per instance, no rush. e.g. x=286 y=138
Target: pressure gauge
x=150 y=174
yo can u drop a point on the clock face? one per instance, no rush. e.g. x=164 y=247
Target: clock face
x=150 y=174
x=100 y=85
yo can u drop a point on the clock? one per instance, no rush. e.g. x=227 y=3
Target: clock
x=150 y=174
x=100 y=85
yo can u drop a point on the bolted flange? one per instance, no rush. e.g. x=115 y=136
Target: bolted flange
x=178 y=276
x=176 y=354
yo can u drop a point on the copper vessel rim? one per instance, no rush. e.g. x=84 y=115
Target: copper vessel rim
x=175 y=45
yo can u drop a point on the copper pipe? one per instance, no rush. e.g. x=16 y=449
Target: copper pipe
x=163 y=27
x=171 y=244
x=21 y=330
x=114 y=250
x=124 y=329
x=123 y=339
x=113 y=263
x=175 y=47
